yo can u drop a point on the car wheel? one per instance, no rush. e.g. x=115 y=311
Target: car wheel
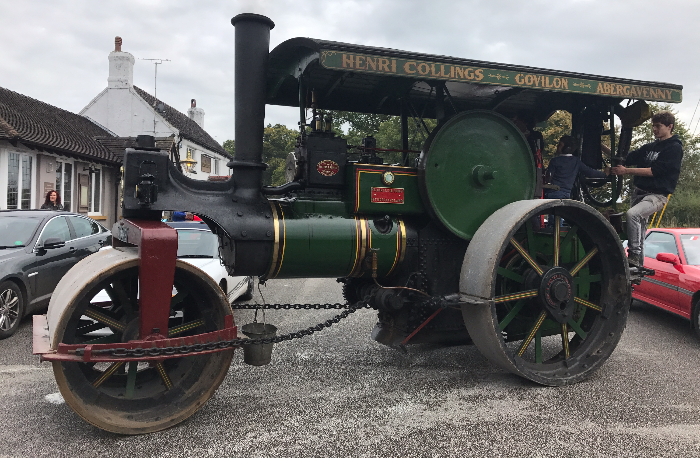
x=11 y=308
x=248 y=295
x=696 y=317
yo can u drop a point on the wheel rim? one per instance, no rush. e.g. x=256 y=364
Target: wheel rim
x=9 y=309
x=140 y=397
x=601 y=192
x=556 y=305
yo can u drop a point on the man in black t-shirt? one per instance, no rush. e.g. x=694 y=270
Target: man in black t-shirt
x=655 y=178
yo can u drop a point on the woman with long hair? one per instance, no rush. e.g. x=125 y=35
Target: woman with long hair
x=52 y=201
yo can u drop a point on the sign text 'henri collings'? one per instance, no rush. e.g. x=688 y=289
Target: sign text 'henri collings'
x=485 y=75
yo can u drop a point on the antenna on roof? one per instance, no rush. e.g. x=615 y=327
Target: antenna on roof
x=156 y=62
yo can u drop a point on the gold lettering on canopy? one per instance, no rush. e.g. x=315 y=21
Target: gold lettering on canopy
x=497 y=75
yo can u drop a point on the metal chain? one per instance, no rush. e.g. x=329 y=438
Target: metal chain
x=196 y=348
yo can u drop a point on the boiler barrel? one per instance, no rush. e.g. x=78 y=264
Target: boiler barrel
x=334 y=246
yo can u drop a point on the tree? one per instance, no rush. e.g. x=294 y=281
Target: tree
x=278 y=141
x=230 y=146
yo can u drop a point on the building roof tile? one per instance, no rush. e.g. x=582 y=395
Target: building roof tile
x=39 y=125
x=187 y=127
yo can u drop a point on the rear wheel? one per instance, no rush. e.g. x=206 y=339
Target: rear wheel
x=548 y=304
x=140 y=397
x=11 y=308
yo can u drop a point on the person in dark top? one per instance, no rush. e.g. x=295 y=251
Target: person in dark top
x=658 y=166
x=52 y=201
x=565 y=167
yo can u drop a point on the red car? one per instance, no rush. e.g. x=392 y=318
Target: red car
x=675 y=256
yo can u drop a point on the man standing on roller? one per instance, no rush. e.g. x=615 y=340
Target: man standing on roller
x=658 y=165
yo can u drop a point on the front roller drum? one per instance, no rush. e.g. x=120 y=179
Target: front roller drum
x=103 y=307
x=546 y=301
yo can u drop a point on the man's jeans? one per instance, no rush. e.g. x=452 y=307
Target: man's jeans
x=643 y=205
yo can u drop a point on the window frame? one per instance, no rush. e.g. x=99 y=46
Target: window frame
x=5 y=181
x=91 y=194
x=61 y=192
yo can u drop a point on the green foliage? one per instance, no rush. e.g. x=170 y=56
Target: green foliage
x=230 y=146
x=558 y=125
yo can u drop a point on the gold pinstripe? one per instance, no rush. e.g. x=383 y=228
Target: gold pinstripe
x=526 y=255
x=164 y=376
x=583 y=262
x=590 y=305
x=533 y=331
x=514 y=296
x=107 y=374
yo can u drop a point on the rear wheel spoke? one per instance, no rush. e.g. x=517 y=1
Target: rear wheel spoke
x=590 y=305
x=565 y=340
x=164 y=376
x=107 y=374
x=532 y=333
x=526 y=256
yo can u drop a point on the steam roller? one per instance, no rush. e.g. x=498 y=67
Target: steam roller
x=447 y=244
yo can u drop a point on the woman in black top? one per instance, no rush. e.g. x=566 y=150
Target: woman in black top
x=52 y=202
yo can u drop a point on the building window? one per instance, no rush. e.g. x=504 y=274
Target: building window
x=95 y=193
x=19 y=181
x=206 y=163
x=216 y=166
x=64 y=180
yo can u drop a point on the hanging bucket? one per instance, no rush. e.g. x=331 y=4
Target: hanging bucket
x=258 y=354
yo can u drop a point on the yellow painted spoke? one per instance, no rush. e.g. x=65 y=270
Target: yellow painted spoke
x=590 y=305
x=565 y=340
x=557 y=222
x=526 y=255
x=184 y=327
x=107 y=374
x=583 y=262
x=532 y=333
x=164 y=376
x=104 y=319
x=515 y=296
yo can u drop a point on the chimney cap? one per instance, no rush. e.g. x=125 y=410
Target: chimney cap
x=118 y=44
x=193 y=103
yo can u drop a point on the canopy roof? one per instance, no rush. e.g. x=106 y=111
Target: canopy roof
x=374 y=80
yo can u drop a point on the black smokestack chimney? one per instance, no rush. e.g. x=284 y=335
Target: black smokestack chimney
x=252 y=50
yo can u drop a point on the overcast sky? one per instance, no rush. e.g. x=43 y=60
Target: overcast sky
x=56 y=50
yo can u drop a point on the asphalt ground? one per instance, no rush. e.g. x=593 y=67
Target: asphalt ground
x=338 y=393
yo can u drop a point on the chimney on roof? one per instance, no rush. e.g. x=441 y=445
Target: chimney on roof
x=196 y=114
x=121 y=67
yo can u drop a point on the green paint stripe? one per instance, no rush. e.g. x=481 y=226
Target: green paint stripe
x=131 y=379
x=577 y=329
x=509 y=274
x=512 y=314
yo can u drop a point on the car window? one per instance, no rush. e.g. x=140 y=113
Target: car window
x=691 y=248
x=17 y=231
x=56 y=228
x=83 y=226
x=197 y=244
x=659 y=242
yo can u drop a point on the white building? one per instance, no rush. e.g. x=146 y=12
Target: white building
x=129 y=111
